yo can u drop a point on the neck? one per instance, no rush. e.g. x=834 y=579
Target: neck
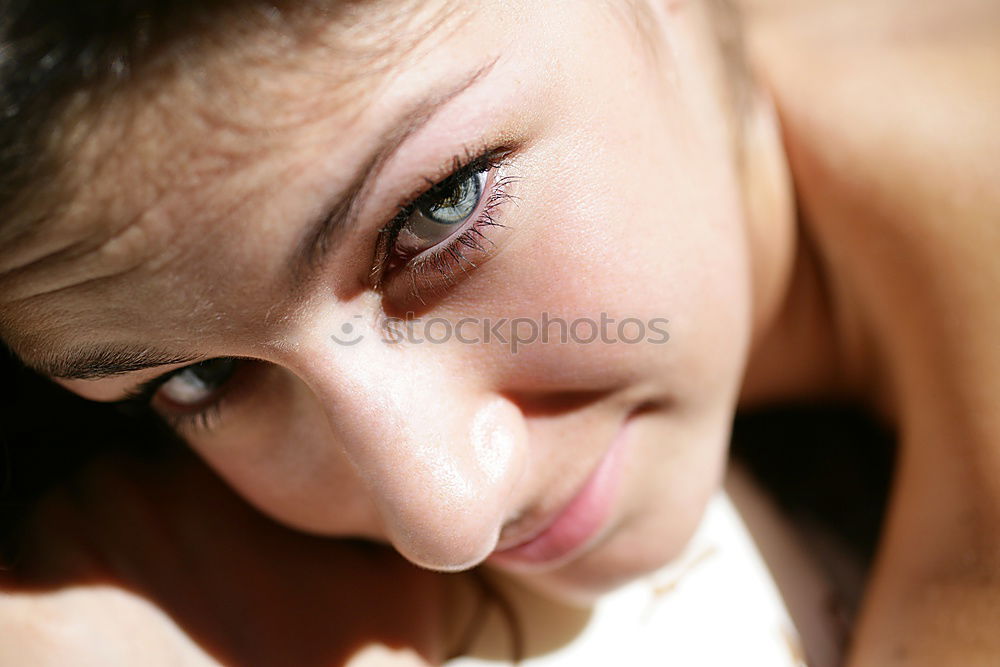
x=813 y=338
x=815 y=344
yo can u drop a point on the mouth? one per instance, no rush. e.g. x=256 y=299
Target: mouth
x=560 y=536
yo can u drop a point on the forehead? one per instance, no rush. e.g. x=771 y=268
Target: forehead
x=211 y=83
x=192 y=135
x=159 y=180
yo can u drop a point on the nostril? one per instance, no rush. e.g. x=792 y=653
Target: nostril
x=511 y=527
x=524 y=526
x=555 y=403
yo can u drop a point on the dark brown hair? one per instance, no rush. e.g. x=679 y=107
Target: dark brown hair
x=51 y=51
x=61 y=59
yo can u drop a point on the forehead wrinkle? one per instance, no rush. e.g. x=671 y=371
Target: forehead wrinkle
x=276 y=134
x=144 y=201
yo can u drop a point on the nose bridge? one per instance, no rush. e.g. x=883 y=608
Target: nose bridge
x=439 y=453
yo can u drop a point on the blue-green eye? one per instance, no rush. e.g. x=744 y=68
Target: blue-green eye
x=442 y=212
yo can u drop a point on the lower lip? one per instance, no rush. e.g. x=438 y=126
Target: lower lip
x=573 y=528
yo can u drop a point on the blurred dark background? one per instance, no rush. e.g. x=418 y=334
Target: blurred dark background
x=48 y=434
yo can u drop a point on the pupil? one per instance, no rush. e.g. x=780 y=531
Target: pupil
x=457 y=203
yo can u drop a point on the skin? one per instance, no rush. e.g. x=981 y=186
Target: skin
x=160 y=563
x=343 y=440
x=628 y=202
x=905 y=219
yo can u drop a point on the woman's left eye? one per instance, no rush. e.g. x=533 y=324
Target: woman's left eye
x=441 y=212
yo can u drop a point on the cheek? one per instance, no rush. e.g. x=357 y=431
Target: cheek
x=615 y=243
x=278 y=451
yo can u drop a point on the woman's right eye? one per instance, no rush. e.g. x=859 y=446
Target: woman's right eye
x=196 y=386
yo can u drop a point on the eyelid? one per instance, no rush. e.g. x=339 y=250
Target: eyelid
x=342 y=215
x=465 y=161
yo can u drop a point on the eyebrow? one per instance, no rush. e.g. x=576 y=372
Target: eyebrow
x=104 y=361
x=100 y=362
x=321 y=234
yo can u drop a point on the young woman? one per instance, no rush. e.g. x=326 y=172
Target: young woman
x=487 y=283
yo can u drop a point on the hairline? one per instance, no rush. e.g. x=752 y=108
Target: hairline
x=42 y=182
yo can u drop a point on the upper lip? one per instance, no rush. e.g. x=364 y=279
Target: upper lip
x=536 y=521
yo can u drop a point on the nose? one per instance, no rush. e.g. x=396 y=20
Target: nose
x=438 y=455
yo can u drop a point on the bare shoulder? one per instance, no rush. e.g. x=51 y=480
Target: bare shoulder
x=891 y=118
x=893 y=101
x=107 y=625
x=890 y=111
x=91 y=625
x=158 y=562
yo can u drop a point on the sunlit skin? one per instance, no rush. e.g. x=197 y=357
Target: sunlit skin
x=437 y=448
x=622 y=196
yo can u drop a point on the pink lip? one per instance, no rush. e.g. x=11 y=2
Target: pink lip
x=580 y=520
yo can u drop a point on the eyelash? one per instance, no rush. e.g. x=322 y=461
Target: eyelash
x=447 y=258
x=204 y=419
x=443 y=259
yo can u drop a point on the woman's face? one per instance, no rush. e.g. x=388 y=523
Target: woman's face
x=275 y=205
